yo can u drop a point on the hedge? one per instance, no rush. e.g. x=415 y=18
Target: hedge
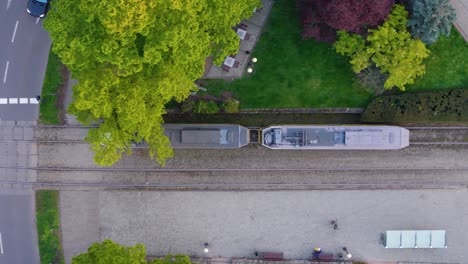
x=422 y=107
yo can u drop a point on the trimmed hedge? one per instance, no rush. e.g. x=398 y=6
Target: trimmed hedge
x=442 y=106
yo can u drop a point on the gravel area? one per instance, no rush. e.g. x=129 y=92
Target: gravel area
x=255 y=156
x=238 y=223
x=264 y=180
x=426 y=135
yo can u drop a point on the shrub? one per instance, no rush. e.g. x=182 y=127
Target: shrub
x=206 y=107
x=231 y=105
x=446 y=106
x=188 y=105
x=372 y=80
x=322 y=18
x=390 y=48
x=430 y=19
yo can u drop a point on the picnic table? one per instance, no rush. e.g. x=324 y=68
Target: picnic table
x=241 y=33
x=229 y=61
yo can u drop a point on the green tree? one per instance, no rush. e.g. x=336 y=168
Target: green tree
x=109 y=252
x=430 y=19
x=133 y=57
x=177 y=259
x=390 y=48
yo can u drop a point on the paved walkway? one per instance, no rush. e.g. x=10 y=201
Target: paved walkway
x=461 y=8
x=254 y=27
x=236 y=224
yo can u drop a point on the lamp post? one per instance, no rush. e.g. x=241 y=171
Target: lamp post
x=348 y=255
x=254 y=60
x=206 y=249
x=249 y=70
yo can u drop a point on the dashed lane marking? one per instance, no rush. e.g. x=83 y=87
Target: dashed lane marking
x=14 y=32
x=23 y=100
x=1 y=244
x=6 y=71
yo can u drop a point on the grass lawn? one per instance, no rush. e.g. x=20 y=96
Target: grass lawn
x=447 y=65
x=48 y=227
x=49 y=113
x=294 y=73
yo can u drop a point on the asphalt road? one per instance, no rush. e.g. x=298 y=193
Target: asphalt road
x=24 y=48
x=18 y=242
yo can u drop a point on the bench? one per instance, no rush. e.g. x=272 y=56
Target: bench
x=225 y=68
x=325 y=257
x=273 y=256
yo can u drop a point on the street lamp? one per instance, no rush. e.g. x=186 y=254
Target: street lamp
x=249 y=70
x=348 y=255
x=206 y=249
x=254 y=60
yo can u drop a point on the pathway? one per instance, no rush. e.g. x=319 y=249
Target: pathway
x=461 y=23
x=254 y=26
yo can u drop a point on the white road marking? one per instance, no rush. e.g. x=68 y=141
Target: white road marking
x=22 y=100
x=1 y=244
x=14 y=32
x=37 y=20
x=6 y=71
x=8 y=4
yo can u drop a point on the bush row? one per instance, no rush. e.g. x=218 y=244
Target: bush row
x=442 y=106
x=210 y=106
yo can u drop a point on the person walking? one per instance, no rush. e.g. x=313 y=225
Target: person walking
x=317 y=252
x=334 y=224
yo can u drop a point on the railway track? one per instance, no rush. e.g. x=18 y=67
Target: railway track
x=221 y=170
x=418 y=135
x=241 y=179
x=240 y=186
x=61 y=176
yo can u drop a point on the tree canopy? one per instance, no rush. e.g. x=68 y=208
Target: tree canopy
x=133 y=57
x=389 y=47
x=109 y=252
x=322 y=18
x=430 y=19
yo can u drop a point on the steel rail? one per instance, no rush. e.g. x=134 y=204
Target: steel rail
x=77 y=141
x=407 y=127
x=229 y=169
x=250 y=186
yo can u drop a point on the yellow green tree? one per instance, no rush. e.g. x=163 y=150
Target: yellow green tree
x=132 y=57
x=390 y=48
x=109 y=252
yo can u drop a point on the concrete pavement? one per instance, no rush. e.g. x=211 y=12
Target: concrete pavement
x=236 y=224
x=24 y=48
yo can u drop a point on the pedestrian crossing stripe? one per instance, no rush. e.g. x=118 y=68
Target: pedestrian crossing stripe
x=23 y=100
